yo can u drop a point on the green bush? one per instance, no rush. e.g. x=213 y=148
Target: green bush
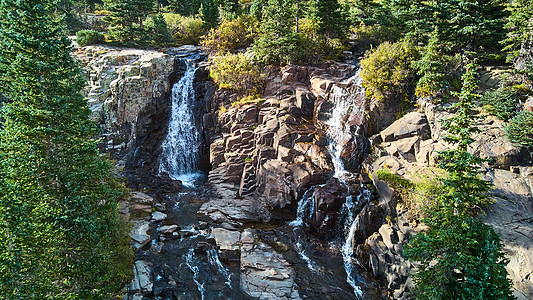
x=185 y=30
x=502 y=103
x=318 y=47
x=419 y=194
x=232 y=34
x=388 y=70
x=367 y=36
x=89 y=37
x=520 y=129
x=236 y=72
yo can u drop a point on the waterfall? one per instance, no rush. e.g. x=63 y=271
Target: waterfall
x=180 y=149
x=344 y=97
x=339 y=132
x=306 y=207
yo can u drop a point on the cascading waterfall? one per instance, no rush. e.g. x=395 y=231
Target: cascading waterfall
x=306 y=207
x=344 y=97
x=194 y=267
x=180 y=149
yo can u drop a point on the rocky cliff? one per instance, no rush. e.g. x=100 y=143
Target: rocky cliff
x=264 y=158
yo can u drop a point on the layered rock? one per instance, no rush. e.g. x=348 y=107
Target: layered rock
x=413 y=142
x=124 y=87
x=274 y=148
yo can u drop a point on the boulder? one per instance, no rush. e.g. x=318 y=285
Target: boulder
x=265 y=274
x=410 y=125
x=142 y=281
x=139 y=234
x=228 y=243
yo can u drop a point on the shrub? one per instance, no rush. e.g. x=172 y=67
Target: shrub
x=367 y=36
x=520 y=129
x=502 y=103
x=232 y=34
x=236 y=72
x=318 y=47
x=89 y=37
x=184 y=30
x=388 y=70
x=419 y=194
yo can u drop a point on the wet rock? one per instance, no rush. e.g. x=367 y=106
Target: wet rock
x=139 y=234
x=158 y=216
x=169 y=229
x=235 y=211
x=228 y=243
x=167 y=184
x=265 y=274
x=142 y=281
x=328 y=201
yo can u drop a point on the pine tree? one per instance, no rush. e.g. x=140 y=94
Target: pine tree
x=432 y=70
x=278 y=43
x=60 y=234
x=461 y=257
x=209 y=13
x=519 y=41
x=185 y=7
x=126 y=20
x=330 y=17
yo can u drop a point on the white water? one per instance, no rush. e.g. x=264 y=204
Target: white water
x=189 y=260
x=349 y=228
x=212 y=256
x=346 y=105
x=344 y=97
x=306 y=207
x=180 y=149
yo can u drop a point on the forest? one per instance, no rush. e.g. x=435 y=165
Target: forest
x=61 y=236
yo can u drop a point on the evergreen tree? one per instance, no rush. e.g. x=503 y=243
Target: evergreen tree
x=157 y=30
x=256 y=8
x=519 y=41
x=278 y=43
x=186 y=8
x=461 y=257
x=231 y=9
x=209 y=13
x=330 y=17
x=126 y=20
x=60 y=234
x=431 y=69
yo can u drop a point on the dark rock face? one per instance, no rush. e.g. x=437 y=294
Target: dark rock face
x=328 y=202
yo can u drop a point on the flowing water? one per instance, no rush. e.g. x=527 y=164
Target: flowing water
x=187 y=265
x=180 y=149
x=347 y=107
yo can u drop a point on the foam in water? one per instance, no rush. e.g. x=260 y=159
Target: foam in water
x=189 y=261
x=180 y=149
x=212 y=256
x=345 y=97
